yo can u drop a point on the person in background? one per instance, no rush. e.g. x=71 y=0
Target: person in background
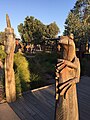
x=17 y=46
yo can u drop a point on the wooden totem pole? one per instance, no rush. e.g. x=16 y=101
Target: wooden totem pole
x=9 y=72
x=67 y=75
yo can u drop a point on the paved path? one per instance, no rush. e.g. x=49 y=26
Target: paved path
x=6 y=113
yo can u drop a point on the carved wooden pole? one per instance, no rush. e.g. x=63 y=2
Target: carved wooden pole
x=9 y=72
x=67 y=75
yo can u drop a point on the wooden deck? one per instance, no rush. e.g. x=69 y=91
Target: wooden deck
x=39 y=104
x=83 y=89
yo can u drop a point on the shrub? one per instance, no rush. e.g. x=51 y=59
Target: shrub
x=47 y=62
x=2 y=75
x=85 y=66
x=22 y=73
x=41 y=66
x=36 y=81
x=2 y=53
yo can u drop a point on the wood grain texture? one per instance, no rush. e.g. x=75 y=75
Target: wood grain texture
x=36 y=105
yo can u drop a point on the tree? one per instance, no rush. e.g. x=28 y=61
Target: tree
x=2 y=42
x=78 y=21
x=33 y=30
x=52 y=30
x=2 y=38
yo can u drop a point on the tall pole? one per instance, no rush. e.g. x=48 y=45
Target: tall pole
x=10 y=88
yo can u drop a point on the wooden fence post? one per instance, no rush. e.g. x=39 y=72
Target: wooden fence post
x=10 y=88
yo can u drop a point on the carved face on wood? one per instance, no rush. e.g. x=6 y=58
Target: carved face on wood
x=69 y=47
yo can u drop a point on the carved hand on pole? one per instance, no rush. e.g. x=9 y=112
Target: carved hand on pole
x=67 y=75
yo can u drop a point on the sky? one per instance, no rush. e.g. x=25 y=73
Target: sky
x=47 y=11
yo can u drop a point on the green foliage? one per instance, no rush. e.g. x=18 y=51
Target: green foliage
x=42 y=65
x=78 y=21
x=35 y=80
x=47 y=62
x=32 y=73
x=2 y=38
x=2 y=53
x=33 y=30
x=85 y=66
x=51 y=30
x=22 y=73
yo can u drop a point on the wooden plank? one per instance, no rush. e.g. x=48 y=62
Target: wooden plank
x=20 y=107
x=45 y=87
x=45 y=101
x=17 y=111
x=43 y=109
x=49 y=100
x=51 y=89
x=84 y=97
x=33 y=108
x=35 y=115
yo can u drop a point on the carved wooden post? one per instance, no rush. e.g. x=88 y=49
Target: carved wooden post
x=67 y=75
x=9 y=72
